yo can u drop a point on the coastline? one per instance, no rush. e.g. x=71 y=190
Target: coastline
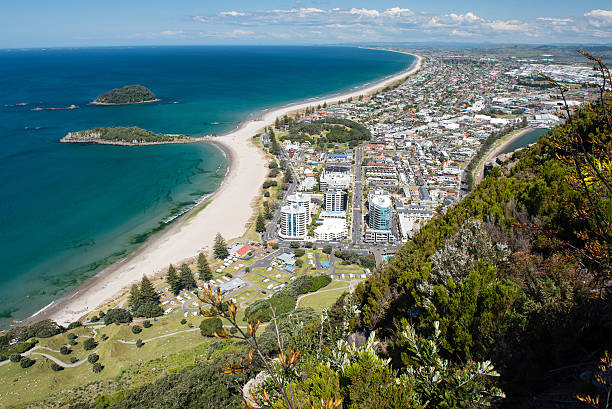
x=228 y=210
x=110 y=104
x=498 y=148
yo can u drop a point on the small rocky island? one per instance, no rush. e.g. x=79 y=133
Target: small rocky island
x=130 y=94
x=124 y=135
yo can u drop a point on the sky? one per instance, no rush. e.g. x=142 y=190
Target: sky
x=59 y=23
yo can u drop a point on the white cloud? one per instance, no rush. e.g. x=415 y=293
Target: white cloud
x=397 y=23
x=364 y=12
x=599 y=18
x=239 y=33
x=172 y=33
x=232 y=13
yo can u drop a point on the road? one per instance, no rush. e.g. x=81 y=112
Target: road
x=358 y=198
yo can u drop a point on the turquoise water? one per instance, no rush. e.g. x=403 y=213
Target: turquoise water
x=526 y=139
x=68 y=210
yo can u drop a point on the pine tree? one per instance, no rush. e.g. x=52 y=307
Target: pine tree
x=204 y=268
x=220 y=247
x=186 y=277
x=147 y=292
x=173 y=280
x=134 y=298
x=260 y=224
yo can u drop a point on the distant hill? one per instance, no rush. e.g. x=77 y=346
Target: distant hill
x=123 y=135
x=130 y=94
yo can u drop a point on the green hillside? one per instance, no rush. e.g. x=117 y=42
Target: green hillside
x=129 y=94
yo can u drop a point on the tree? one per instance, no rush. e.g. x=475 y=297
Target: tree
x=134 y=297
x=220 y=247
x=186 y=277
x=260 y=224
x=294 y=245
x=89 y=344
x=97 y=368
x=93 y=358
x=173 y=280
x=204 y=268
x=118 y=316
x=209 y=326
x=147 y=292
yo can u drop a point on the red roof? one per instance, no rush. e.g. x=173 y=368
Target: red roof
x=243 y=250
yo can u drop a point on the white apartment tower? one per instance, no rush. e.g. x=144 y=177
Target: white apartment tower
x=335 y=200
x=293 y=221
x=300 y=199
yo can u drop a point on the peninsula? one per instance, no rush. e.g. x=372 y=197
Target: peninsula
x=129 y=94
x=124 y=135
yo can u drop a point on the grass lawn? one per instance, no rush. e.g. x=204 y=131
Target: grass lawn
x=322 y=299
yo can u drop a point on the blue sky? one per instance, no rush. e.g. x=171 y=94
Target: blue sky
x=45 y=23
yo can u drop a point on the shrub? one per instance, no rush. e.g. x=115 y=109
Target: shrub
x=146 y=324
x=44 y=329
x=97 y=368
x=74 y=359
x=93 y=358
x=294 y=245
x=117 y=315
x=15 y=357
x=139 y=343
x=3 y=357
x=22 y=347
x=71 y=336
x=267 y=193
x=74 y=325
x=26 y=362
x=89 y=344
x=64 y=350
x=262 y=310
x=95 y=318
x=209 y=326
x=56 y=367
x=183 y=321
x=299 y=252
x=104 y=337
x=149 y=310
x=102 y=314
x=275 y=246
x=327 y=249
x=136 y=329
x=72 y=343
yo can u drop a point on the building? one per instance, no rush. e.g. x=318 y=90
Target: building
x=331 y=230
x=380 y=210
x=335 y=177
x=300 y=199
x=410 y=220
x=378 y=236
x=294 y=218
x=335 y=200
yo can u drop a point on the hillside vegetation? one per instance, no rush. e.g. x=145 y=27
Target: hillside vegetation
x=124 y=134
x=129 y=94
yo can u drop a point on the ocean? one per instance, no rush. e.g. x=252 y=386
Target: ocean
x=67 y=211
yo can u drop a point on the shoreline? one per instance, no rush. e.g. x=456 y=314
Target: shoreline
x=110 y=104
x=498 y=148
x=229 y=209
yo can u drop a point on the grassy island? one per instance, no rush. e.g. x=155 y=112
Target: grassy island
x=129 y=94
x=123 y=135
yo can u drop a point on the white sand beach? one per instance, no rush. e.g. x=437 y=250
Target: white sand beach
x=229 y=213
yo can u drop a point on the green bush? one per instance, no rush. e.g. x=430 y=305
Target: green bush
x=64 y=350
x=93 y=358
x=89 y=344
x=55 y=367
x=146 y=324
x=97 y=368
x=118 y=316
x=95 y=318
x=139 y=343
x=72 y=342
x=24 y=346
x=327 y=249
x=183 y=321
x=15 y=357
x=74 y=325
x=209 y=326
x=275 y=246
x=71 y=336
x=299 y=252
x=26 y=362
x=262 y=310
x=74 y=359
x=294 y=245
x=3 y=357
x=149 y=310
x=136 y=329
